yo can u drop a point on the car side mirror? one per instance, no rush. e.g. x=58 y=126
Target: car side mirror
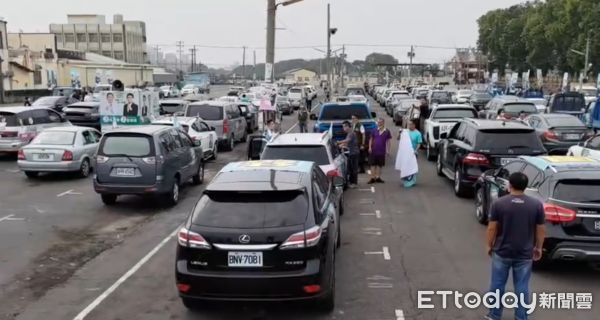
x=313 y=116
x=212 y=129
x=338 y=182
x=444 y=135
x=197 y=143
x=373 y=114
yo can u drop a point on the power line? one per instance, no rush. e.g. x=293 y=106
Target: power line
x=355 y=45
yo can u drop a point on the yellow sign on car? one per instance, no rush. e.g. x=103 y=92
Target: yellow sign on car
x=568 y=159
x=271 y=163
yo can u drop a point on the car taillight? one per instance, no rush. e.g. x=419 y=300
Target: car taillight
x=476 y=159
x=187 y=238
x=303 y=239
x=67 y=156
x=556 y=213
x=21 y=155
x=149 y=160
x=225 y=126
x=550 y=135
x=27 y=136
x=311 y=289
x=101 y=159
x=333 y=173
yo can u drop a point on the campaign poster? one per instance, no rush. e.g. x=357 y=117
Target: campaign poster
x=540 y=78
x=565 y=81
x=120 y=108
x=598 y=81
x=75 y=79
x=494 y=77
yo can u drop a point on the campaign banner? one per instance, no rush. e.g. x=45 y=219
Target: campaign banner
x=494 y=77
x=514 y=79
x=525 y=80
x=268 y=71
x=598 y=81
x=565 y=81
x=540 y=77
x=125 y=108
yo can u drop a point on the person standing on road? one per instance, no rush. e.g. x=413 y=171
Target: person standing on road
x=270 y=132
x=303 y=119
x=351 y=143
x=515 y=237
x=379 y=146
x=359 y=131
x=406 y=159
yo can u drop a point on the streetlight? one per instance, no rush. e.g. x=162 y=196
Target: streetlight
x=270 y=59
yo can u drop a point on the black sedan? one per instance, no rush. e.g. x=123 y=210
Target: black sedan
x=84 y=114
x=558 y=132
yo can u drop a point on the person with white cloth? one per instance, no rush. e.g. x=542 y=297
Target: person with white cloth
x=406 y=160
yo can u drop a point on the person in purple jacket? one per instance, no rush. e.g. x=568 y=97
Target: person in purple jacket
x=379 y=148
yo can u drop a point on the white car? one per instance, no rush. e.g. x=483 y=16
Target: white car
x=589 y=148
x=190 y=89
x=540 y=103
x=169 y=91
x=358 y=98
x=462 y=96
x=232 y=99
x=200 y=132
x=442 y=118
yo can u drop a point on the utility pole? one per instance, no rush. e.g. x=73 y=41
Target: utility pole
x=244 y=66
x=587 y=61
x=1 y=81
x=180 y=49
x=329 y=46
x=193 y=52
x=411 y=55
x=157 y=50
x=254 y=75
x=343 y=64
x=270 y=59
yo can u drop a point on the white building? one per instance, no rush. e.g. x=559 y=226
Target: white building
x=121 y=40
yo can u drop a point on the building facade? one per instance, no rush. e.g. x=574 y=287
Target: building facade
x=33 y=61
x=3 y=53
x=300 y=76
x=122 y=40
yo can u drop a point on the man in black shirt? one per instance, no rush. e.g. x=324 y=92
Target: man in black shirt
x=515 y=237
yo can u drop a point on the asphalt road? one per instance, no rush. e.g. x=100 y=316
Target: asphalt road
x=72 y=258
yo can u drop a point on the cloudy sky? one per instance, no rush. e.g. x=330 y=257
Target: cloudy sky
x=388 y=26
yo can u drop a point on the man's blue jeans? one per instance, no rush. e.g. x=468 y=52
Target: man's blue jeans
x=521 y=272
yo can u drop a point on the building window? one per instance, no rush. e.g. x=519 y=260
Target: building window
x=69 y=37
x=59 y=38
x=306 y=79
x=106 y=37
x=93 y=37
x=37 y=77
x=119 y=55
x=107 y=54
x=117 y=37
x=300 y=79
x=81 y=37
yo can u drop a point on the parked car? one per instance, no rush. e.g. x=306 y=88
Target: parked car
x=558 y=132
x=60 y=149
x=250 y=113
x=332 y=115
x=463 y=96
x=284 y=105
x=316 y=147
x=169 y=91
x=86 y=114
x=474 y=146
x=569 y=188
x=147 y=161
x=355 y=91
x=225 y=117
x=402 y=108
x=56 y=103
x=441 y=119
x=478 y=100
x=572 y=103
x=172 y=106
x=297 y=96
x=590 y=94
x=199 y=131
x=589 y=148
x=19 y=125
x=190 y=89
x=392 y=100
x=262 y=230
x=511 y=105
x=439 y=97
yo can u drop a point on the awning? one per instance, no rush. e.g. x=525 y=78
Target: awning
x=20 y=66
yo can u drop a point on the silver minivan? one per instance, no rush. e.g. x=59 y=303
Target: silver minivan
x=19 y=125
x=146 y=160
x=226 y=117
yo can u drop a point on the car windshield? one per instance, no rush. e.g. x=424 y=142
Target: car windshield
x=61 y=138
x=465 y=93
x=251 y=210
x=317 y=154
x=578 y=190
x=589 y=92
x=335 y=112
x=10 y=119
x=126 y=144
x=516 y=108
x=205 y=111
x=295 y=90
x=354 y=91
x=568 y=104
x=501 y=140
x=283 y=99
x=481 y=96
x=454 y=113
x=101 y=89
x=45 y=101
x=569 y=121
x=440 y=96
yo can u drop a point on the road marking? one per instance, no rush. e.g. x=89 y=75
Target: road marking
x=386 y=253
x=13 y=170
x=290 y=129
x=365 y=201
x=379 y=278
x=378 y=214
x=373 y=189
x=399 y=314
x=85 y=312
x=10 y=218
x=369 y=172
x=68 y=192
x=376 y=285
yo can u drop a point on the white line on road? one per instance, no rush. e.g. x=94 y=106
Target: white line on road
x=386 y=253
x=10 y=218
x=373 y=233
x=68 y=192
x=369 y=172
x=399 y=314
x=375 y=285
x=378 y=214
x=373 y=189
x=379 y=278
x=13 y=170
x=124 y=278
x=290 y=129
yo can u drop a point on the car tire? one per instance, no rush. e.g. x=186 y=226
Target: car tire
x=84 y=169
x=198 y=178
x=430 y=153
x=342 y=206
x=215 y=152
x=172 y=197
x=245 y=137
x=109 y=199
x=480 y=206
x=31 y=174
x=438 y=166
x=327 y=302
x=460 y=189
x=230 y=144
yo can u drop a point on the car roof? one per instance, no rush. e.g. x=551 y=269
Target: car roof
x=342 y=104
x=268 y=175
x=300 y=139
x=180 y=101
x=506 y=98
x=145 y=129
x=85 y=104
x=69 y=129
x=554 y=115
x=563 y=163
x=496 y=124
x=454 y=106
x=171 y=120
x=216 y=103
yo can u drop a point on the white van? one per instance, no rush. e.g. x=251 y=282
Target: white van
x=297 y=96
x=19 y=125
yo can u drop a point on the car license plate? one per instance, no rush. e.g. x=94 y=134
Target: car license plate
x=244 y=259
x=572 y=136
x=505 y=161
x=125 y=172
x=444 y=128
x=43 y=157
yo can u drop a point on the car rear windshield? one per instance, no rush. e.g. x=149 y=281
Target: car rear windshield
x=317 y=154
x=354 y=92
x=44 y=101
x=454 y=113
x=62 y=138
x=205 y=111
x=249 y=210
x=502 y=140
x=517 y=108
x=578 y=190
x=440 y=95
x=345 y=112
x=11 y=119
x=481 y=96
x=568 y=103
x=565 y=122
x=295 y=90
x=171 y=105
x=131 y=145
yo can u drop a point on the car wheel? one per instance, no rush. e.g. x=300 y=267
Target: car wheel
x=459 y=187
x=109 y=199
x=480 y=210
x=438 y=166
x=327 y=303
x=245 y=137
x=84 y=170
x=215 y=152
x=430 y=153
x=342 y=206
x=229 y=144
x=198 y=179
x=172 y=197
x=31 y=174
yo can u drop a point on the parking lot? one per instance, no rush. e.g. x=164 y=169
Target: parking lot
x=67 y=256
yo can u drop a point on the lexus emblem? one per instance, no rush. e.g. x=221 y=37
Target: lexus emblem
x=244 y=238
x=597 y=225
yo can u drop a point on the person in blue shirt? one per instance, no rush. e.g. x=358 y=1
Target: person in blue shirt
x=416 y=138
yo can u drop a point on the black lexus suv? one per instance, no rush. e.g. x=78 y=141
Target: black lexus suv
x=262 y=231
x=569 y=187
x=474 y=146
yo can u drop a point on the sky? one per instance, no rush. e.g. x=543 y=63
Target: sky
x=365 y=26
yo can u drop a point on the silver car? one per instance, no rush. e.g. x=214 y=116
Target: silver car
x=65 y=149
x=19 y=125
